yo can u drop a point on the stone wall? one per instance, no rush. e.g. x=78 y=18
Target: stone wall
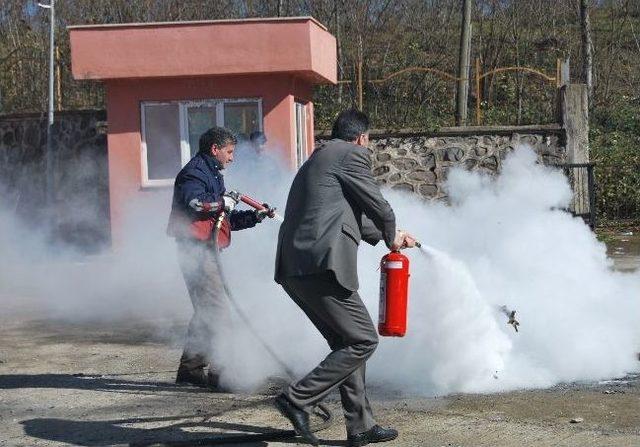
x=420 y=162
x=408 y=160
x=80 y=212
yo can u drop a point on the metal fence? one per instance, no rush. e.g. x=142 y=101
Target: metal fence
x=618 y=197
x=581 y=177
x=415 y=95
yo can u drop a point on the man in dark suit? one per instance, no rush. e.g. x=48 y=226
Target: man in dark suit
x=333 y=204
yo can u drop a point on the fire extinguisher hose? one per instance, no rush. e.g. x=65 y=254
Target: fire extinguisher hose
x=321 y=410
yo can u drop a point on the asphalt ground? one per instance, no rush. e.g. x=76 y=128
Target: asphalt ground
x=112 y=383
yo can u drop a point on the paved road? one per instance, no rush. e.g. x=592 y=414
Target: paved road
x=98 y=385
x=624 y=249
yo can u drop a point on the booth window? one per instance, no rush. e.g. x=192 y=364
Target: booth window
x=301 y=134
x=171 y=130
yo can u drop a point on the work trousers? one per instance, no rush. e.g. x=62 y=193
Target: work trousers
x=211 y=321
x=343 y=320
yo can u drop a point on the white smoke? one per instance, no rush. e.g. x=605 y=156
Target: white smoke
x=508 y=243
x=503 y=241
x=138 y=280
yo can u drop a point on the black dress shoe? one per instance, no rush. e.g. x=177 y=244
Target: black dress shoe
x=374 y=434
x=299 y=418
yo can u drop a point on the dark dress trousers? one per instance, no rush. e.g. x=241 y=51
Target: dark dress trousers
x=333 y=204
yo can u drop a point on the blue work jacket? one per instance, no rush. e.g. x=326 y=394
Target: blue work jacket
x=197 y=196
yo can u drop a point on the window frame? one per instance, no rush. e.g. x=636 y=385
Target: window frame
x=183 y=126
x=301 y=147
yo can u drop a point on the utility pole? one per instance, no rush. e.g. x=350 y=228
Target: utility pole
x=587 y=46
x=49 y=191
x=336 y=6
x=359 y=73
x=58 y=80
x=464 y=65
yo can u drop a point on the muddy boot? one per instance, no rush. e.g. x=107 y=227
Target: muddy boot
x=191 y=370
x=213 y=381
x=195 y=377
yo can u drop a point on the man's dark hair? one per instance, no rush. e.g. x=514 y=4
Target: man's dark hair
x=349 y=125
x=258 y=137
x=218 y=136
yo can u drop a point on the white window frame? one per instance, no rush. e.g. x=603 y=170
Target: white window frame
x=301 y=133
x=185 y=149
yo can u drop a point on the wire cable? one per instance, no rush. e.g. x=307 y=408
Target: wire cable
x=321 y=410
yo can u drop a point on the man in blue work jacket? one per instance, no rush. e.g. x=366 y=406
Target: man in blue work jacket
x=198 y=201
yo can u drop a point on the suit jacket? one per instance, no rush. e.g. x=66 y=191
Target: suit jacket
x=333 y=204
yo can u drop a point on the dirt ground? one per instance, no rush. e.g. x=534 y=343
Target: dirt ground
x=98 y=384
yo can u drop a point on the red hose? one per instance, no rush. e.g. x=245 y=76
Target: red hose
x=255 y=204
x=252 y=202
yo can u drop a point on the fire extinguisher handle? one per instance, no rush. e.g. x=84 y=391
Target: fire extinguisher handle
x=220 y=219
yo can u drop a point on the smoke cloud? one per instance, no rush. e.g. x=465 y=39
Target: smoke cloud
x=502 y=241
x=505 y=241
x=138 y=280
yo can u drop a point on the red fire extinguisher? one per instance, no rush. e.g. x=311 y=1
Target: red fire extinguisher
x=394 y=289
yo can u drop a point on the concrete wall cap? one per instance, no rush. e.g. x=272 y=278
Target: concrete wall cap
x=200 y=22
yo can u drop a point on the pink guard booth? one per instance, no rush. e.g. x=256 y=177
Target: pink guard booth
x=168 y=82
